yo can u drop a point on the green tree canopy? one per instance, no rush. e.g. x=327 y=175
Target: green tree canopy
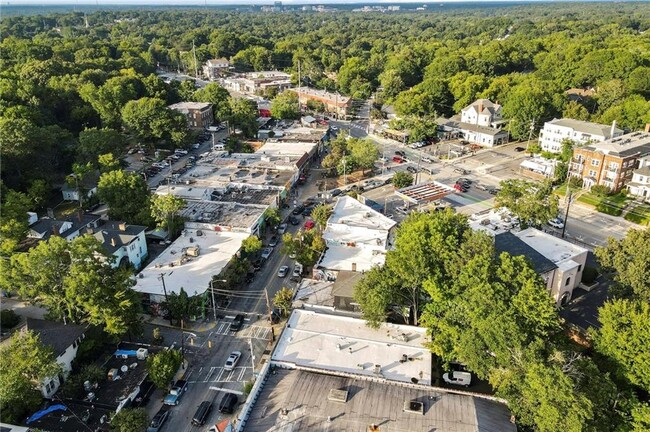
x=130 y=420
x=13 y=225
x=533 y=203
x=127 y=196
x=151 y=121
x=285 y=105
x=94 y=142
x=402 y=179
x=251 y=245
x=165 y=210
x=163 y=366
x=244 y=116
x=218 y=97
x=283 y=300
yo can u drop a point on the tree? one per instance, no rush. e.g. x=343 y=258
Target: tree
x=181 y=306
x=163 y=366
x=639 y=81
x=364 y=152
x=272 y=216
x=251 y=245
x=129 y=420
x=165 y=209
x=109 y=98
x=610 y=93
x=526 y=106
x=575 y=110
x=626 y=262
x=13 y=224
x=107 y=163
x=625 y=337
x=320 y=214
x=285 y=105
x=402 y=179
x=428 y=98
x=95 y=142
x=218 y=97
x=151 y=121
x=632 y=112
x=24 y=363
x=316 y=106
x=283 y=300
x=76 y=282
x=533 y=203
x=38 y=192
x=244 y=115
x=127 y=196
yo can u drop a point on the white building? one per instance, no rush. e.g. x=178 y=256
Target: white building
x=64 y=341
x=127 y=243
x=346 y=344
x=258 y=82
x=190 y=262
x=357 y=237
x=68 y=228
x=480 y=123
x=483 y=112
x=640 y=184
x=578 y=131
x=557 y=261
x=213 y=68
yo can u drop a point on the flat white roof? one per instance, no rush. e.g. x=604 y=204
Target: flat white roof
x=350 y=212
x=185 y=191
x=351 y=258
x=189 y=105
x=284 y=148
x=345 y=344
x=193 y=274
x=551 y=247
x=493 y=221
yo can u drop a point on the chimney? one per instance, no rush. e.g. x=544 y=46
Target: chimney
x=80 y=214
x=113 y=242
x=122 y=226
x=611 y=132
x=647 y=127
x=55 y=229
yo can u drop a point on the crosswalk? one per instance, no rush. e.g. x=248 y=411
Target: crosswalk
x=247 y=331
x=220 y=375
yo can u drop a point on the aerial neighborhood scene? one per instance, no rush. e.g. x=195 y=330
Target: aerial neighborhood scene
x=299 y=216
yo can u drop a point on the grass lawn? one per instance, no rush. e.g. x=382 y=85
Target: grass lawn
x=612 y=205
x=639 y=214
x=66 y=208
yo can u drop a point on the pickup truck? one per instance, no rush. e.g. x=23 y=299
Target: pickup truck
x=175 y=394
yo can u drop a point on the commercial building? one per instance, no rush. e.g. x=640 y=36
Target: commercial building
x=357 y=237
x=214 y=68
x=199 y=114
x=612 y=162
x=334 y=103
x=258 y=82
x=480 y=123
x=557 y=261
x=578 y=131
x=538 y=168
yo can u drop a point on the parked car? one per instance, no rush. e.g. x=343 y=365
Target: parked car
x=294 y=220
x=232 y=361
x=196 y=146
x=274 y=241
x=180 y=152
x=298 y=210
x=297 y=270
x=309 y=225
x=556 y=223
x=398 y=159
x=307 y=211
x=460 y=187
x=427 y=159
x=403 y=209
x=257 y=265
x=481 y=186
x=464 y=180
x=411 y=169
x=282 y=228
x=202 y=413
x=458 y=378
x=228 y=403
x=237 y=323
x=175 y=394
x=158 y=420
x=266 y=253
x=461 y=171
x=400 y=153
x=336 y=192
x=494 y=191
x=519 y=149
x=282 y=271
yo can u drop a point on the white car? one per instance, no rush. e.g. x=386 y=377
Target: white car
x=196 y=146
x=426 y=159
x=297 y=270
x=282 y=228
x=282 y=271
x=556 y=223
x=267 y=252
x=180 y=151
x=458 y=378
x=232 y=360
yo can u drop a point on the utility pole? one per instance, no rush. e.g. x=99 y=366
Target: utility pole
x=566 y=214
x=268 y=302
x=530 y=134
x=345 y=175
x=214 y=304
x=162 y=278
x=250 y=343
x=299 y=86
x=196 y=69
x=183 y=343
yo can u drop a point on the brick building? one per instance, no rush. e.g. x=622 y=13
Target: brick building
x=334 y=102
x=612 y=162
x=199 y=114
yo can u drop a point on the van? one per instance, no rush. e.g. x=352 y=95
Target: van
x=219 y=147
x=202 y=413
x=458 y=378
x=228 y=403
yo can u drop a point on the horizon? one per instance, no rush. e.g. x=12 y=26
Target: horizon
x=44 y=3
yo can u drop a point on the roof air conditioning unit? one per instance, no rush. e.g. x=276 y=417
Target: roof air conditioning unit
x=194 y=251
x=413 y=406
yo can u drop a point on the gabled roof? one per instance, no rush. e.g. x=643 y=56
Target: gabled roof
x=510 y=243
x=586 y=127
x=483 y=106
x=113 y=235
x=54 y=334
x=45 y=227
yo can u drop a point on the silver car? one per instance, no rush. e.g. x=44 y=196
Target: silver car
x=232 y=361
x=282 y=271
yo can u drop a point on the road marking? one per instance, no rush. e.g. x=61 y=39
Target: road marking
x=207 y=378
x=220 y=375
x=225 y=390
x=241 y=374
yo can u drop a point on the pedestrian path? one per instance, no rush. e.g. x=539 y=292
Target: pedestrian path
x=247 y=331
x=218 y=374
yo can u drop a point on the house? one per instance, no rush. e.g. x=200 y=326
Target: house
x=558 y=262
x=480 y=123
x=578 y=131
x=308 y=121
x=334 y=103
x=640 y=184
x=68 y=228
x=330 y=372
x=64 y=340
x=357 y=237
x=612 y=162
x=214 y=68
x=199 y=114
x=538 y=168
x=127 y=243
x=70 y=189
x=259 y=82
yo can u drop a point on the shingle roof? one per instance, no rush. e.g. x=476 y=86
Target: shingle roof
x=484 y=105
x=510 y=243
x=114 y=235
x=57 y=335
x=46 y=226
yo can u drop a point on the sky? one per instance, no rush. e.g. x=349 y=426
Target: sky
x=224 y=2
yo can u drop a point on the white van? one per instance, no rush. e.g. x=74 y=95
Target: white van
x=458 y=378
x=219 y=147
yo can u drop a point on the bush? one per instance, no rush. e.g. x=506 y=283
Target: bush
x=8 y=319
x=248 y=386
x=600 y=190
x=589 y=275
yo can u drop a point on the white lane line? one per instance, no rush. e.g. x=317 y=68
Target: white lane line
x=207 y=378
x=241 y=374
x=218 y=378
x=225 y=390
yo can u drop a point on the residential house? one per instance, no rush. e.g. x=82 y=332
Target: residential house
x=334 y=102
x=612 y=162
x=127 y=243
x=357 y=238
x=64 y=340
x=640 y=184
x=68 y=228
x=578 y=131
x=557 y=261
x=214 y=68
x=199 y=114
x=479 y=123
x=88 y=186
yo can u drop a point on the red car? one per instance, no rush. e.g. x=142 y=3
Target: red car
x=309 y=224
x=460 y=187
x=397 y=159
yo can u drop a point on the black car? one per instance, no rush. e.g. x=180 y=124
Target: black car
x=257 y=265
x=228 y=404
x=202 y=413
x=493 y=191
x=294 y=220
x=237 y=323
x=274 y=241
x=158 y=420
x=298 y=210
x=519 y=149
x=411 y=169
x=400 y=153
x=336 y=192
x=307 y=211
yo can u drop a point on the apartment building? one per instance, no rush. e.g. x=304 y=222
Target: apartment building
x=578 y=131
x=199 y=114
x=334 y=102
x=611 y=162
x=640 y=184
x=214 y=68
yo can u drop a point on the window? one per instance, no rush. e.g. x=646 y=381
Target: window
x=613 y=165
x=580 y=267
x=592 y=173
x=568 y=281
x=595 y=162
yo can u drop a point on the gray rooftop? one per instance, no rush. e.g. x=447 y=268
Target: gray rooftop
x=624 y=146
x=508 y=242
x=227 y=214
x=586 y=127
x=643 y=170
x=306 y=397
x=113 y=235
x=47 y=226
x=54 y=334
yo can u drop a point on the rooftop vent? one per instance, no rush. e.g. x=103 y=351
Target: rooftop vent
x=337 y=395
x=414 y=407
